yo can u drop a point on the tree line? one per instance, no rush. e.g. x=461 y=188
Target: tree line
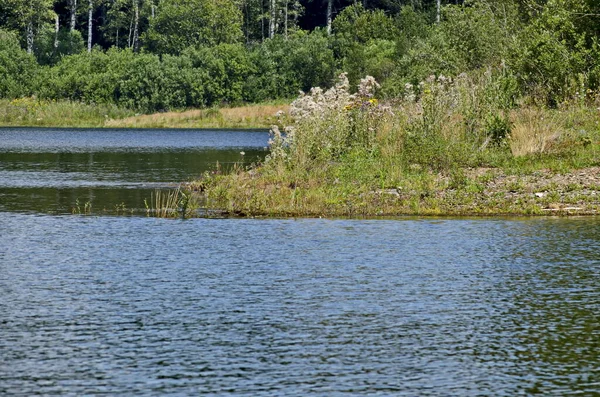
x=166 y=54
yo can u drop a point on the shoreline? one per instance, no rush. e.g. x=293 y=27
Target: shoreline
x=32 y=113
x=483 y=192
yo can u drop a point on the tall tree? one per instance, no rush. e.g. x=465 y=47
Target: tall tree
x=90 y=24
x=73 y=14
x=29 y=17
x=182 y=23
x=272 y=18
x=136 y=25
x=329 y=15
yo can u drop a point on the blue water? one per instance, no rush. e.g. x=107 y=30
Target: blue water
x=60 y=171
x=135 y=305
x=231 y=307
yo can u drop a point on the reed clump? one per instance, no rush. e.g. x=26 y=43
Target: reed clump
x=175 y=203
x=346 y=153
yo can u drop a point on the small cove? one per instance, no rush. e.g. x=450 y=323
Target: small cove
x=55 y=170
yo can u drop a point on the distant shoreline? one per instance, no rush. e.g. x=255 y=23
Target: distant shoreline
x=30 y=112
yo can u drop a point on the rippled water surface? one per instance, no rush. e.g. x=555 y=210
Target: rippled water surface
x=132 y=305
x=59 y=171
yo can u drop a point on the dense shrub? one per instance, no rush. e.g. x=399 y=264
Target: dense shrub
x=17 y=68
x=68 y=42
x=365 y=43
x=547 y=54
x=284 y=66
x=226 y=67
x=554 y=57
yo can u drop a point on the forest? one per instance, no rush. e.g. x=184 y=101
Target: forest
x=159 y=55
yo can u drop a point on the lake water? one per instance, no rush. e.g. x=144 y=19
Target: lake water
x=135 y=305
x=58 y=171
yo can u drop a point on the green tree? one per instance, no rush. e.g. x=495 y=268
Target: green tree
x=29 y=17
x=183 y=23
x=17 y=68
x=557 y=54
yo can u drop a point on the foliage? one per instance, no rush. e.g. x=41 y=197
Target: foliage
x=555 y=57
x=227 y=68
x=183 y=23
x=17 y=68
x=285 y=66
x=68 y=42
x=364 y=41
x=192 y=52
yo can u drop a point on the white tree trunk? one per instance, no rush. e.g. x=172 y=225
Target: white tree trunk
x=73 y=11
x=29 y=36
x=136 y=10
x=272 y=19
x=329 y=15
x=90 y=10
x=439 y=6
x=286 y=19
x=56 y=29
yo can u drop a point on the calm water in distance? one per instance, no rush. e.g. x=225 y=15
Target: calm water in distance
x=56 y=170
x=134 y=305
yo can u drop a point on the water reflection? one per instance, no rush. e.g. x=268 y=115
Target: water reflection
x=51 y=171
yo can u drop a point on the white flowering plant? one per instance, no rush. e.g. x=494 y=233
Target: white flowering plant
x=327 y=124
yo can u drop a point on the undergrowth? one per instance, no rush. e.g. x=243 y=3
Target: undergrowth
x=348 y=154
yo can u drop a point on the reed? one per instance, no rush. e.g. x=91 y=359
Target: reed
x=32 y=112
x=177 y=203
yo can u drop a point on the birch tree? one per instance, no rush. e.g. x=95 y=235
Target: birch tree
x=28 y=17
x=329 y=15
x=72 y=14
x=90 y=24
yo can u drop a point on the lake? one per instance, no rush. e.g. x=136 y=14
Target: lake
x=136 y=305
x=58 y=171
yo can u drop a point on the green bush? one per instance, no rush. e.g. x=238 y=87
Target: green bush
x=69 y=42
x=226 y=67
x=17 y=68
x=284 y=66
x=365 y=43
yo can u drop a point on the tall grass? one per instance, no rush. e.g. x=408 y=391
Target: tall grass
x=34 y=112
x=177 y=203
x=346 y=153
x=251 y=116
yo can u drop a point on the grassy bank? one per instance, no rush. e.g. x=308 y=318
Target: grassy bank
x=244 y=117
x=449 y=149
x=30 y=112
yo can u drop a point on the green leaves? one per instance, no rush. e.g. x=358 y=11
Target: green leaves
x=184 y=23
x=17 y=68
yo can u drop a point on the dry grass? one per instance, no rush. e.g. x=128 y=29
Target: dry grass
x=535 y=131
x=252 y=116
